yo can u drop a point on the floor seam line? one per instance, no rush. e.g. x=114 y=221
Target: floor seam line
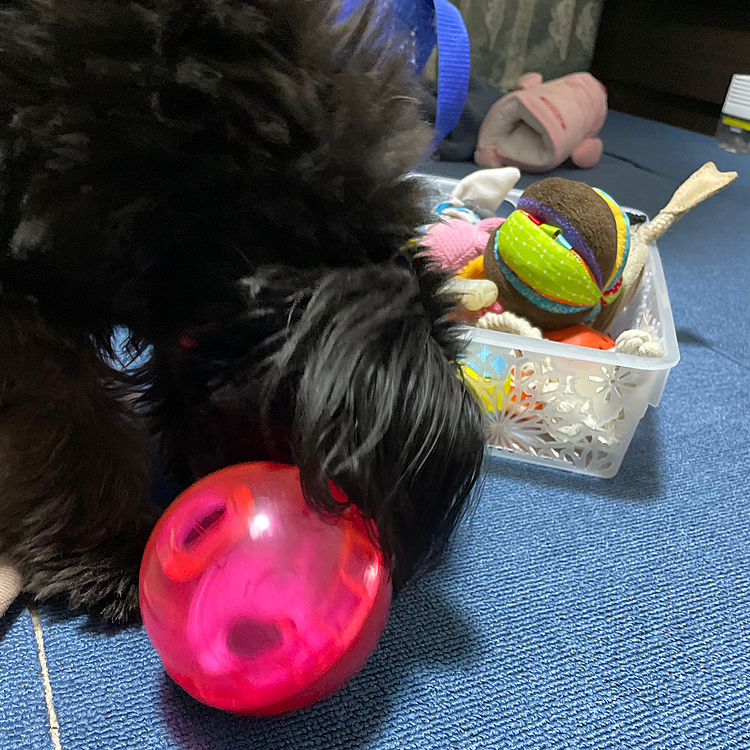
x=54 y=725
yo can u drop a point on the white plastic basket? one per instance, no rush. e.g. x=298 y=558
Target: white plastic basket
x=565 y=406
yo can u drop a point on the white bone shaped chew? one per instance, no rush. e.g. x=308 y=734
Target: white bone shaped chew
x=473 y=294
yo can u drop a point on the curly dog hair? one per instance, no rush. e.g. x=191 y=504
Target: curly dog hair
x=227 y=180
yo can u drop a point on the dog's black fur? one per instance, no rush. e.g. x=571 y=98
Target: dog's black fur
x=224 y=178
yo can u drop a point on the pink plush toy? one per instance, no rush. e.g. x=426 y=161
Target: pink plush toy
x=455 y=243
x=538 y=127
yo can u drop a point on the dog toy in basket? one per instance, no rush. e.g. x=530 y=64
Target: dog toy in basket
x=702 y=184
x=254 y=603
x=563 y=266
x=558 y=259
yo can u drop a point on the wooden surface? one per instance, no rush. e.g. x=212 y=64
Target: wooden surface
x=672 y=60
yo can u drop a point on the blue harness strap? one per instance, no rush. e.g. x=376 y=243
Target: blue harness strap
x=454 y=66
x=431 y=23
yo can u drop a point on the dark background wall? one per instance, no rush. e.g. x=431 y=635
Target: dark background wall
x=672 y=60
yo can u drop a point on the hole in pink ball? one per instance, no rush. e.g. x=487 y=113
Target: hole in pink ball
x=247 y=638
x=202 y=527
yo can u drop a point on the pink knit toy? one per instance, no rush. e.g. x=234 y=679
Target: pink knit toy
x=455 y=242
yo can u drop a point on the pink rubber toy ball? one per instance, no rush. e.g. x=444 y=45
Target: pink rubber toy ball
x=253 y=602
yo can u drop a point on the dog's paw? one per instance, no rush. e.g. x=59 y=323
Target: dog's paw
x=123 y=607
x=640 y=343
x=110 y=595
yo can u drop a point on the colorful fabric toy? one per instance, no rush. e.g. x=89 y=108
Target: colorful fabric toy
x=538 y=127
x=558 y=259
x=582 y=261
x=564 y=263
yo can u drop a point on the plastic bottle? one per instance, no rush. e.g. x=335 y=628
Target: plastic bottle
x=733 y=130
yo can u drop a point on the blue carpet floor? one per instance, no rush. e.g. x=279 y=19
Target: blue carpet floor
x=23 y=714
x=570 y=612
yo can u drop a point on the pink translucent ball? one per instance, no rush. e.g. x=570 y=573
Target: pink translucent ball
x=254 y=603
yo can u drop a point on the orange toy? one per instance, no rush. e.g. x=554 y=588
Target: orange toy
x=473 y=269
x=582 y=336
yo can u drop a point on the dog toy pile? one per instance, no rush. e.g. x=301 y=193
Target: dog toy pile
x=254 y=603
x=562 y=265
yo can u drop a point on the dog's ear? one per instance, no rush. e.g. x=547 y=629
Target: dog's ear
x=380 y=409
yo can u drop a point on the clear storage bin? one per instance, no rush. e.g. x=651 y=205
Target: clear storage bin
x=566 y=406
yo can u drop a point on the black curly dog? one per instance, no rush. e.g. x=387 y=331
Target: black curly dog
x=226 y=180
